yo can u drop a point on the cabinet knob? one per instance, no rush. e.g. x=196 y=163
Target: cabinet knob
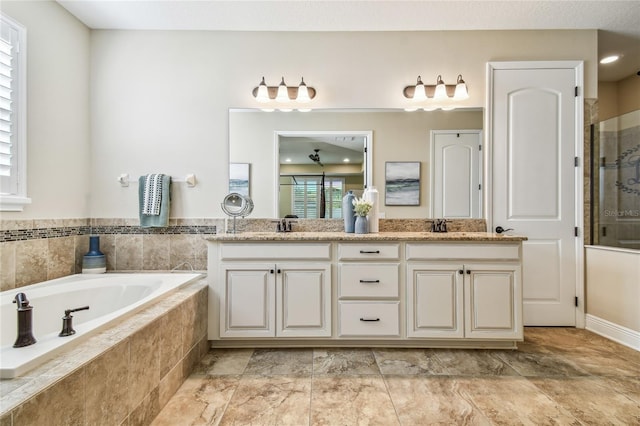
x=460 y=271
x=369 y=319
x=271 y=271
x=468 y=272
x=279 y=271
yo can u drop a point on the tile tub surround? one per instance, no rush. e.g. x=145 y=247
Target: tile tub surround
x=32 y=251
x=125 y=374
x=558 y=376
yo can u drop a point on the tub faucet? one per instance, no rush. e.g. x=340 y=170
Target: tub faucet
x=67 y=325
x=25 y=333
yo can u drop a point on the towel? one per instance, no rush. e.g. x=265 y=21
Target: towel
x=154 y=199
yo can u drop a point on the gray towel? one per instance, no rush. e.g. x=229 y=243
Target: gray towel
x=163 y=199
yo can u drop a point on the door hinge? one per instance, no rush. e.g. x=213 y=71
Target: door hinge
x=576 y=91
x=575 y=231
x=604 y=231
x=479 y=187
x=479 y=147
x=576 y=161
x=576 y=301
x=365 y=149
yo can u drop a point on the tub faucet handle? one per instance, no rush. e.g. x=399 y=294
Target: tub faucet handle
x=67 y=321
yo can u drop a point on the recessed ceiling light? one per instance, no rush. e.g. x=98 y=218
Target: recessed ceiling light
x=288 y=160
x=609 y=59
x=346 y=160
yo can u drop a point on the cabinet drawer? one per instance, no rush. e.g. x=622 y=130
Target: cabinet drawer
x=361 y=319
x=366 y=280
x=370 y=251
x=484 y=251
x=276 y=251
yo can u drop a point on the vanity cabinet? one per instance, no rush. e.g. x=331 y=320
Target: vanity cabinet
x=477 y=295
x=335 y=288
x=368 y=290
x=281 y=298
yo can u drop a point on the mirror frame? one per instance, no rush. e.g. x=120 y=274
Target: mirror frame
x=368 y=151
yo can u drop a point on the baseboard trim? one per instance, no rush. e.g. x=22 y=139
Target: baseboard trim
x=612 y=331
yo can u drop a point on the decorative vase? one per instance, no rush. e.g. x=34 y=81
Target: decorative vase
x=94 y=262
x=361 y=225
x=371 y=194
x=347 y=212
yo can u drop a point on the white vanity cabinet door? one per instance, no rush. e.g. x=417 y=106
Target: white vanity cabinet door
x=493 y=307
x=247 y=300
x=435 y=303
x=303 y=293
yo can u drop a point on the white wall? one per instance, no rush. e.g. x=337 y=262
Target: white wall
x=160 y=99
x=613 y=286
x=58 y=161
x=157 y=101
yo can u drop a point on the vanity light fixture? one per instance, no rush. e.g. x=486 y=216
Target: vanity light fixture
x=431 y=97
x=283 y=97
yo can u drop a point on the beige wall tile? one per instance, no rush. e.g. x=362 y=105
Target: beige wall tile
x=182 y=249
x=60 y=257
x=6 y=225
x=31 y=262
x=61 y=404
x=147 y=410
x=170 y=340
x=144 y=363
x=7 y=265
x=128 y=252
x=107 y=397
x=155 y=252
x=170 y=383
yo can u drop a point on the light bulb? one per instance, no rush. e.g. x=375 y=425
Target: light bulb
x=419 y=94
x=263 y=92
x=303 y=93
x=461 y=92
x=441 y=90
x=283 y=93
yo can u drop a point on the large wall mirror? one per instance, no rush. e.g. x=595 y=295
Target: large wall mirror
x=266 y=140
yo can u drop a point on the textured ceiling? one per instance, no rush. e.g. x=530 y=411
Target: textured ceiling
x=619 y=20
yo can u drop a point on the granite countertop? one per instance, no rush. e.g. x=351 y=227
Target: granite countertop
x=380 y=236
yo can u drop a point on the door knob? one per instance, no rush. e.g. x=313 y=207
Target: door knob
x=500 y=229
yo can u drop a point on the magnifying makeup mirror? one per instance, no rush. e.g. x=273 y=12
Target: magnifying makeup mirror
x=235 y=205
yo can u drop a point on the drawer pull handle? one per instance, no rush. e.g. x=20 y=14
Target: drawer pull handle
x=369 y=319
x=370 y=281
x=369 y=251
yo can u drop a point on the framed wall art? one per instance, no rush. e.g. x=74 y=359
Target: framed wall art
x=402 y=183
x=239 y=178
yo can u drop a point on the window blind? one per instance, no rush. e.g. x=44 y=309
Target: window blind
x=8 y=62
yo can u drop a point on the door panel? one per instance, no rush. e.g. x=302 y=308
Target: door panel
x=456 y=174
x=534 y=141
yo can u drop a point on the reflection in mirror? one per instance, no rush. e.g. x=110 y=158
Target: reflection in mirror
x=312 y=161
x=255 y=136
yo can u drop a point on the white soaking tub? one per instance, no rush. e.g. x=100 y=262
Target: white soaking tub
x=110 y=297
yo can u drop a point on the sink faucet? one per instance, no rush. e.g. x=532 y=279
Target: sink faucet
x=25 y=333
x=283 y=225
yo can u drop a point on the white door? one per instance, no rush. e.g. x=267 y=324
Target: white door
x=456 y=174
x=536 y=133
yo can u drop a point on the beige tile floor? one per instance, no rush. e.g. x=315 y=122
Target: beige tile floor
x=558 y=376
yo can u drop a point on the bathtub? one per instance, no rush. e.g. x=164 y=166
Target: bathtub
x=110 y=298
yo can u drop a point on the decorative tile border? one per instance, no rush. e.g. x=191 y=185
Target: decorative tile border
x=8 y=235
